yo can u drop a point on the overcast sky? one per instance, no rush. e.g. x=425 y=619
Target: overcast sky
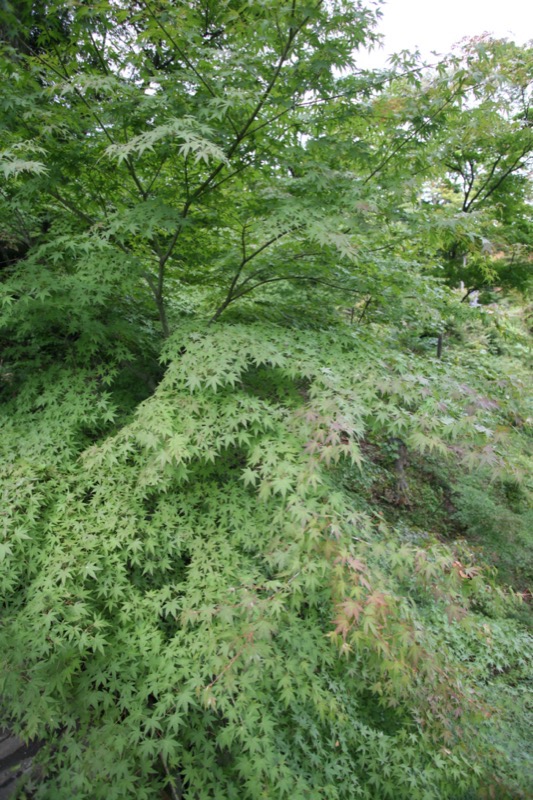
x=437 y=25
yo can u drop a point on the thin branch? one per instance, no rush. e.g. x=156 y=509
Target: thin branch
x=230 y=176
x=258 y=272
x=238 y=654
x=66 y=76
x=73 y=208
x=468 y=205
x=151 y=282
x=469 y=292
x=514 y=166
x=186 y=177
x=272 y=119
x=156 y=174
x=85 y=217
x=298 y=278
x=156 y=289
x=179 y=49
x=378 y=249
x=174 y=784
x=187 y=61
x=293 y=32
x=99 y=54
x=310 y=279
x=243 y=243
x=468 y=183
x=270 y=242
x=163 y=260
x=127 y=161
x=365 y=307
x=231 y=295
x=406 y=141
x=136 y=180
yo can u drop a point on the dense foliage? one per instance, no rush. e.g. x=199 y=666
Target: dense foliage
x=266 y=519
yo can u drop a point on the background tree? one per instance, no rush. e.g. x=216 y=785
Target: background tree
x=482 y=164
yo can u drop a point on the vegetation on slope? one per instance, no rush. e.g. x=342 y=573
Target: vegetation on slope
x=266 y=519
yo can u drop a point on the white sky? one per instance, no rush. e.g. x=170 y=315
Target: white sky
x=438 y=24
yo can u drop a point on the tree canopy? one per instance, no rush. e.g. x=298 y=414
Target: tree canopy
x=266 y=523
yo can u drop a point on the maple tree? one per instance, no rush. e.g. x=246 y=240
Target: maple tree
x=248 y=514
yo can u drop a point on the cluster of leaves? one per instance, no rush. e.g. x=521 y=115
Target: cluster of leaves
x=200 y=598
x=222 y=335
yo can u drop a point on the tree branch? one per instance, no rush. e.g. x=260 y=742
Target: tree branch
x=468 y=183
x=65 y=76
x=230 y=296
x=174 y=784
x=71 y=207
x=178 y=48
x=514 y=166
x=469 y=292
x=311 y=279
x=293 y=32
x=411 y=136
x=365 y=307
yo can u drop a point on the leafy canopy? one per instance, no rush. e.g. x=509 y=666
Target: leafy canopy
x=222 y=248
